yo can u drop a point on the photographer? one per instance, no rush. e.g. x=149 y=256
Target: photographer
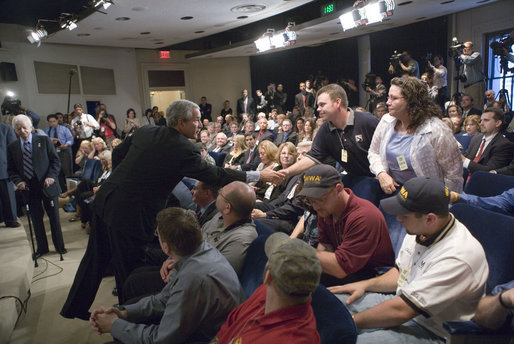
x=440 y=72
x=107 y=124
x=405 y=65
x=83 y=123
x=472 y=71
x=62 y=139
x=378 y=93
x=12 y=107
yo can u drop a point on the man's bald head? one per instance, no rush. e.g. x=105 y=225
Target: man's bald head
x=242 y=198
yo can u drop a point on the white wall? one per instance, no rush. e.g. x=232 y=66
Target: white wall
x=121 y=60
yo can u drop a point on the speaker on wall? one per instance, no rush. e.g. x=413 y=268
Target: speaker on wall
x=8 y=71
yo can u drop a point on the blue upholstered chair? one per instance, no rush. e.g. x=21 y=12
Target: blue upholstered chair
x=218 y=157
x=464 y=140
x=496 y=234
x=485 y=184
x=91 y=170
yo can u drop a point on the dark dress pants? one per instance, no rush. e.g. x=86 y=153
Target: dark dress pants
x=36 y=197
x=7 y=201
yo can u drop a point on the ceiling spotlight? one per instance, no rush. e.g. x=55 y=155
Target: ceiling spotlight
x=68 y=21
x=38 y=34
x=104 y=3
x=367 y=12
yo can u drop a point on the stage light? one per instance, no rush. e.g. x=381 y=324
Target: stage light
x=347 y=21
x=38 y=34
x=9 y=94
x=68 y=24
x=373 y=13
x=278 y=41
x=104 y=3
x=263 y=44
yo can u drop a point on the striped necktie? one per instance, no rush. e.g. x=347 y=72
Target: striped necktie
x=27 y=160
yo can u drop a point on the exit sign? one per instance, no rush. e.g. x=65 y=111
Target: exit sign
x=164 y=54
x=328 y=8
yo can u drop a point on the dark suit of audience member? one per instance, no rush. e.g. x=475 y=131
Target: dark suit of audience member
x=497 y=154
x=245 y=105
x=266 y=135
x=303 y=100
x=44 y=163
x=205 y=111
x=472 y=111
x=251 y=159
x=146 y=167
x=7 y=197
x=291 y=137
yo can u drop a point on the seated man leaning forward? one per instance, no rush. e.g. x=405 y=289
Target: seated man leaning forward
x=353 y=236
x=279 y=311
x=440 y=273
x=201 y=292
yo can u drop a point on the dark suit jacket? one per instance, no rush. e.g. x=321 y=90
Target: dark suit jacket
x=147 y=166
x=224 y=149
x=254 y=161
x=497 y=154
x=293 y=138
x=309 y=101
x=241 y=107
x=267 y=135
x=45 y=161
x=474 y=111
x=7 y=136
x=208 y=213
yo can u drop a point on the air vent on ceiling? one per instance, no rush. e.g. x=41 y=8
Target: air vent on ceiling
x=248 y=8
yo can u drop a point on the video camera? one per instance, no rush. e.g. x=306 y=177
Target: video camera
x=11 y=106
x=369 y=81
x=455 y=50
x=502 y=48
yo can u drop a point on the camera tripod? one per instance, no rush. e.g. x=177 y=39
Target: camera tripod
x=503 y=94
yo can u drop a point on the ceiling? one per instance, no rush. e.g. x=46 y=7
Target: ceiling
x=158 y=24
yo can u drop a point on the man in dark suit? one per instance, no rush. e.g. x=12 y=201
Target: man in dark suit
x=205 y=109
x=222 y=144
x=467 y=103
x=251 y=158
x=263 y=133
x=7 y=198
x=287 y=134
x=245 y=104
x=147 y=166
x=304 y=98
x=204 y=196
x=33 y=166
x=489 y=150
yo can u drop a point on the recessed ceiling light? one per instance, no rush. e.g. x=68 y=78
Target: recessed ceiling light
x=242 y=17
x=200 y=31
x=139 y=8
x=83 y=34
x=145 y=33
x=421 y=18
x=159 y=43
x=248 y=8
x=122 y=18
x=186 y=18
x=447 y=2
x=404 y=3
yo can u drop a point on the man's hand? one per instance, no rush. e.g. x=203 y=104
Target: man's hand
x=21 y=186
x=387 y=183
x=101 y=319
x=356 y=290
x=167 y=269
x=54 y=139
x=49 y=181
x=258 y=214
x=462 y=157
x=268 y=175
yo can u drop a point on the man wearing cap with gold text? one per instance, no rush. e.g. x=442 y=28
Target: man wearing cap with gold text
x=279 y=311
x=353 y=236
x=440 y=273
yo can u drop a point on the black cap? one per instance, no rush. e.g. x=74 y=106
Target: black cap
x=419 y=195
x=318 y=179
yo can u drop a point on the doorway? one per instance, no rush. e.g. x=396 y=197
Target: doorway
x=163 y=99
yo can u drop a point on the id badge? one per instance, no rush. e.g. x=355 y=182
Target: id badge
x=402 y=163
x=344 y=155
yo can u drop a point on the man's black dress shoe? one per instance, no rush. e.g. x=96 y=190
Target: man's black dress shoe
x=39 y=254
x=64 y=251
x=12 y=224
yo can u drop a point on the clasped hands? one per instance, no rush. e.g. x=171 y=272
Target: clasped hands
x=102 y=318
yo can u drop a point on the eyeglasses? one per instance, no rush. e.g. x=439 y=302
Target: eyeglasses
x=225 y=198
x=321 y=200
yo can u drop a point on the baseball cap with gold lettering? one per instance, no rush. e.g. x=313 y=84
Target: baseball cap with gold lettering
x=419 y=195
x=318 y=179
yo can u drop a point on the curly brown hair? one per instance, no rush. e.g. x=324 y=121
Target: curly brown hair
x=420 y=106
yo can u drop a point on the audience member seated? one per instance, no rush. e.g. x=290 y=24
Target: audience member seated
x=279 y=311
x=466 y=102
x=158 y=116
x=503 y=203
x=249 y=126
x=230 y=230
x=204 y=196
x=202 y=290
x=132 y=123
x=263 y=133
x=496 y=311
x=490 y=150
x=381 y=110
x=489 y=98
x=287 y=155
x=234 y=130
x=440 y=273
x=412 y=141
x=278 y=127
x=287 y=134
x=472 y=125
x=268 y=154
x=99 y=145
x=281 y=214
x=299 y=124
x=86 y=151
x=148 y=118
x=236 y=155
x=205 y=154
x=507 y=170
x=454 y=112
x=251 y=156
x=307 y=134
x=115 y=143
x=222 y=145
x=353 y=236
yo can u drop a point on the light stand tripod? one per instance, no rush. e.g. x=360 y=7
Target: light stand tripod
x=503 y=94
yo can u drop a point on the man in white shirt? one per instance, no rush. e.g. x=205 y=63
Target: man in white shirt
x=83 y=123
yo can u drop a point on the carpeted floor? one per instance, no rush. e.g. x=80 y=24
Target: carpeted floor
x=49 y=289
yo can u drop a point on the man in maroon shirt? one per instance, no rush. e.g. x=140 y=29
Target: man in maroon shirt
x=279 y=311
x=353 y=235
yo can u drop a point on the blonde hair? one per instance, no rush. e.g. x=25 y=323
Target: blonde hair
x=290 y=147
x=240 y=147
x=270 y=150
x=99 y=140
x=85 y=143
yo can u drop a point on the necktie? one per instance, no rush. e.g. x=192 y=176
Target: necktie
x=55 y=133
x=304 y=101
x=27 y=160
x=479 y=154
x=246 y=102
x=249 y=156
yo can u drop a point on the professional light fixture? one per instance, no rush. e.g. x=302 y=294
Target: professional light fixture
x=68 y=21
x=264 y=43
x=38 y=34
x=366 y=12
x=104 y=3
x=272 y=40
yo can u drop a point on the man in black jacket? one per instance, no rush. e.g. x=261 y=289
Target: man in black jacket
x=147 y=166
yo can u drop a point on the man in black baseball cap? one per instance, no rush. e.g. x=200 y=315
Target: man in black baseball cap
x=353 y=236
x=439 y=275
